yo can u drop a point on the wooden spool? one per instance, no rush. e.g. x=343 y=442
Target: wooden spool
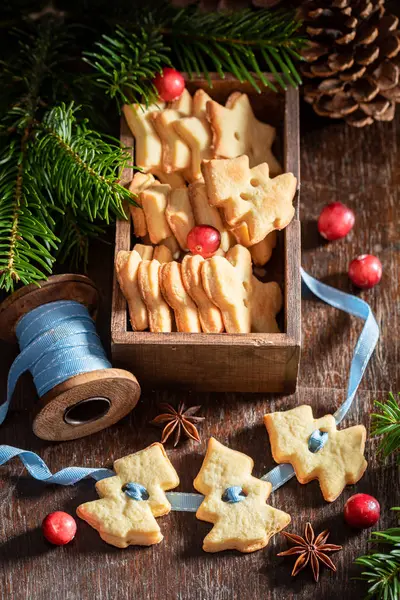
x=83 y=404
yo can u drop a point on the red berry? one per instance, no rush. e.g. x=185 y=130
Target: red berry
x=365 y=271
x=204 y=240
x=362 y=511
x=170 y=84
x=335 y=221
x=59 y=528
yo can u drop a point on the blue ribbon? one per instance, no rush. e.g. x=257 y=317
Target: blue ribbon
x=39 y=470
x=179 y=501
x=365 y=346
x=317 y=440
x=233 y=494
x=136 y=491
x=57 y=341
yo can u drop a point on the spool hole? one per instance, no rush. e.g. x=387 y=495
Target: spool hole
x=87 y=410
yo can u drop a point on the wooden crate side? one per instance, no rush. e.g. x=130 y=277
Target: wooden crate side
x=122 y=240
x=292 y=232
x=206 y=367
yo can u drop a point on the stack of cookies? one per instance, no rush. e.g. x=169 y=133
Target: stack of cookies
x=203 y=164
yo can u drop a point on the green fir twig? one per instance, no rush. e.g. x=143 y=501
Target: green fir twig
x=245 y=43
x=82 y=168
x=58 y=177
x=381 y=570
x=127 y=63
x=26 y=235
x=387 y=424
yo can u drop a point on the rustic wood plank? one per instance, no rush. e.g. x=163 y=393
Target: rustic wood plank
x=90 y=568
x=338 y=163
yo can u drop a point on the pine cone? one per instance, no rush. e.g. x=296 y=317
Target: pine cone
x=353 y=60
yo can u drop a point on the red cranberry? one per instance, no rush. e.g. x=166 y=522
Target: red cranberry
x=170 y=84
x=362 y=511
x=59 y=528
x=365 y=271
x=335 y=221
x=204 y=240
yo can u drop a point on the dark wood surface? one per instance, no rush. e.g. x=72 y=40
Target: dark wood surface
x=360 y=168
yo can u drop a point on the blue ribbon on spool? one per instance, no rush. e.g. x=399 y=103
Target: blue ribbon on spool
x=57 y=341
x=282 y=473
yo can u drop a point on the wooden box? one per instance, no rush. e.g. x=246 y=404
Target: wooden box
x=225 y=362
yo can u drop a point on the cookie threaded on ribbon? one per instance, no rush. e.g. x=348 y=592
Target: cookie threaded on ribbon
x=235 y=502
x=129 y=502
x=336 y=459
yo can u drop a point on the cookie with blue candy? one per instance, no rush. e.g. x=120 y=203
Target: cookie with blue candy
x=316 y=449
x=235 y=502
x=129 y=502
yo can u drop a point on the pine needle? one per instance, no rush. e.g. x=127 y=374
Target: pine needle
x=82 y=168
x=382 y=569
x=26 y=224
x=58 y=177
x=387 y=424
x=126 y=64
x=244 y=43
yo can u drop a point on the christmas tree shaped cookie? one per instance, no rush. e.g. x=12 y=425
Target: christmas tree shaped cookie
x=316 y=449
x=235 y=502
x=128 y=503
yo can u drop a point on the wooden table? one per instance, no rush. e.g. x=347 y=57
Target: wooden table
x=360 y=168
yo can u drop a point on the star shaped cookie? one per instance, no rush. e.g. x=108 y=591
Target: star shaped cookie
x=253 y=204
x=236 y=131
x=235 y=502
x=338 y=463
x=122 y=520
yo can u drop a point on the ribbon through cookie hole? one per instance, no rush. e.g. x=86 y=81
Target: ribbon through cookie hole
x=317 y=440
x=233 y=494
x=136 y=491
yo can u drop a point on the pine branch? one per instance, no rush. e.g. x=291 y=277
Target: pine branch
x=57 y=176
x=387 y=424
x=26 y=236
x=75 y=232
x=245 y=43
x=82 y=169
x=382 y=569
x=127 y=63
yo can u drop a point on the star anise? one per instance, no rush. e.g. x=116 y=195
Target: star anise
x=310 y=549
x=178 y=421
